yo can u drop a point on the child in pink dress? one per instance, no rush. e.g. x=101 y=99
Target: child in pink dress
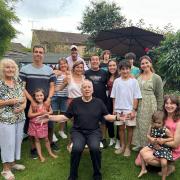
x=37 y=130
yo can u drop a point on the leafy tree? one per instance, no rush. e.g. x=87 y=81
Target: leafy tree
x=7 y=17
x=168 y=60
x=101 y=16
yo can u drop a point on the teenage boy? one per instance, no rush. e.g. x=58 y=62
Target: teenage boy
x=131 y=57
x=125 y=94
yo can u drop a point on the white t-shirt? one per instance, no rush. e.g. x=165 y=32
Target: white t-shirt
x=124 y=92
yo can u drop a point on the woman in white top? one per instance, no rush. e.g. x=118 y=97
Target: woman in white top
x=73 y=81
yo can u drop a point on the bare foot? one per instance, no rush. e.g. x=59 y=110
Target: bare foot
x=142 y=173
x=42 y=159
x=53 y=155
x=170 y=170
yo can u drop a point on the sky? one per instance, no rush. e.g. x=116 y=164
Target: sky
x=66 y=15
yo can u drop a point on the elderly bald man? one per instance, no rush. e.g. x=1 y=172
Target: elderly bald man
x=86 y=111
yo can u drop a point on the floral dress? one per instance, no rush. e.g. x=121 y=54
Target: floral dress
x=164 y=151
x=7 y=114
x=146 y=107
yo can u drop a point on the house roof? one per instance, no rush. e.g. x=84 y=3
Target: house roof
x=17 y=47
x=63 y=37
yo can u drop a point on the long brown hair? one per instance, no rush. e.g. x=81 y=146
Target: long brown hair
x=116 y=74
x=175 y=100
x=149 y=59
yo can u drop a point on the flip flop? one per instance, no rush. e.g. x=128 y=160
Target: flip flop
x=8 y=175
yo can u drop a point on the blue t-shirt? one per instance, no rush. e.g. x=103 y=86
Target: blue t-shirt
x=37 y=78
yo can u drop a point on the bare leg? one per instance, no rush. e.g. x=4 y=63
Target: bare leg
x=48 y=147
x=143 y=167
x=149 y=158
x=38 y=147
x=163 y=162
x=130 y=135
x=32 y=142
x=122 y=136
x=61 y=126
x=171 y=169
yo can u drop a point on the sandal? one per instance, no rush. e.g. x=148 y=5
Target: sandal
x=18 y=167
x=8 y=175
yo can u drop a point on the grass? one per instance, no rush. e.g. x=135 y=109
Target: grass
x=114 y=167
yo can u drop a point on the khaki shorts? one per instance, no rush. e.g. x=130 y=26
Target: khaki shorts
x=127 y=122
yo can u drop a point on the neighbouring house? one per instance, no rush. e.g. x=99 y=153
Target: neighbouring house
x=59 y=42
x=18 y=53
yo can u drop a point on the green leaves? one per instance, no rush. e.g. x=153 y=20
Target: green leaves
x=101 y=16
x=168 y=60
x=7 y=31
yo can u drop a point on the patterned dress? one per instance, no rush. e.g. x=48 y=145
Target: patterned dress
x=36 y=129
x=7 y=114
x=146 y=107
x=164 y=151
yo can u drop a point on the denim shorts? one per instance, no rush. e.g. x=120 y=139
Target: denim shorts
x=59 y=103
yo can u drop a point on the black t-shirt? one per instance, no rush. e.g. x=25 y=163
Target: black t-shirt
x=99 y=80
x=87 y=115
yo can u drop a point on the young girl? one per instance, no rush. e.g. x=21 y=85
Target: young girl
x=157 y=131
x=37 y=130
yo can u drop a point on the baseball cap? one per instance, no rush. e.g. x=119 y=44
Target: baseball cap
x=73 y=47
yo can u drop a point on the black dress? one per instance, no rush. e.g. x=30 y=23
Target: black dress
x=164 y=151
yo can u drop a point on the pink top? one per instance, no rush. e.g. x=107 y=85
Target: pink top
x=171 y=125
x=37 y=130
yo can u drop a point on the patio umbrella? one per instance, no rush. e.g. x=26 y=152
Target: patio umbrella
x=128 y=39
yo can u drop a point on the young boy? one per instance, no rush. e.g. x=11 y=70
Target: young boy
x=125 y=94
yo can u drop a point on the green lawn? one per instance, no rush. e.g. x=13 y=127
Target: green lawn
x=114 y=167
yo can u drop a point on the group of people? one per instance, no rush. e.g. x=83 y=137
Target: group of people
x=96 y=98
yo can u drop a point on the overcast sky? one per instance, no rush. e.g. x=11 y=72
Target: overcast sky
x=65 y=15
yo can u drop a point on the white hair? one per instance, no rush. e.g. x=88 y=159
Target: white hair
x=5 y=62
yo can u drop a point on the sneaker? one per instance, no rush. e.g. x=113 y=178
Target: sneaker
x=55 y=147
x=55 y=139
x=18 y=167
x=136 y=148
x=62 y=134
x=119 y=151
x=117 y=146
x=127 y=152
x=34 y=154
x=101 y=145
x=104 y=142
x=112 y=141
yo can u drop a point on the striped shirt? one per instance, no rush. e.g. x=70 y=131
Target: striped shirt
x=59 y=81
x=37 y=78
